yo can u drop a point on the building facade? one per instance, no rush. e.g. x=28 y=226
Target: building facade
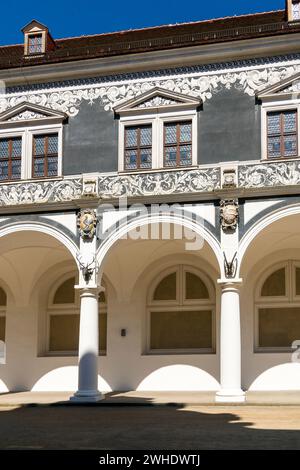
x=150 y=209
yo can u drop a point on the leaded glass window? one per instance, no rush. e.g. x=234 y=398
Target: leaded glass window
x=177 y=144
x=10 y=158
x=282 y=134
x=138 y=147
x=35 y=44
x=45 y=155
x=296 y=9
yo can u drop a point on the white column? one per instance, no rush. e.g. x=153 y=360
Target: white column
x=230 y=345
x=88 y=348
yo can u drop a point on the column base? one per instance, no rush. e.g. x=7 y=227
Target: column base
x=87 y=397
x=230 y=396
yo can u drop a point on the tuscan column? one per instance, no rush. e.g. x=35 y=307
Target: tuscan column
x=89 y=314
x=230 y=326
x=230 y=345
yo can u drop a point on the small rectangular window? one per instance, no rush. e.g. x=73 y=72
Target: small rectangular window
x=64 y=332
x=45 y=155
x=138 y=147
x=10 y=158
x=278 y=327
x=178 y=144
x=181 y=330
x=296 y=9
x=282 y=135
x=35 y=44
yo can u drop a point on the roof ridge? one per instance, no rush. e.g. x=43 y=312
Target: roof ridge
x=209 y=20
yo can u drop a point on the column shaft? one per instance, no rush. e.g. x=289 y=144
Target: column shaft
x=88 y=348
x=230 y=346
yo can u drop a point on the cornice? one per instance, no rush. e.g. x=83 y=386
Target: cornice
x=132 y=63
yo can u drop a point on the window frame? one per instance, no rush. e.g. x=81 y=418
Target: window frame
x=11 y=137
x=35 y=36
x=138 y=148
x=272 y=107
x=44 y=156
x=178 y=144
x=27 y=133
x=290 y=300
x=67 y=309
x=30 y=34
x=157 y=120
x=182 y=304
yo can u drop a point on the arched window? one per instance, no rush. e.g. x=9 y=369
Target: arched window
x=3 y=302
x=278 y=307
x=63 y=319
x=181 y=307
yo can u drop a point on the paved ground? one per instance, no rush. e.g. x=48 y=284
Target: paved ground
x=149 y=427
x=153 y=398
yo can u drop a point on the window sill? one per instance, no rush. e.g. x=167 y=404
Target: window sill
x=174 y=352
x=156 y=170
x=31 y=180
x=64 y=354
x=279 y=160
x=262 y=350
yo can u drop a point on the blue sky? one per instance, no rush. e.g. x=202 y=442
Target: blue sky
x=67 y=18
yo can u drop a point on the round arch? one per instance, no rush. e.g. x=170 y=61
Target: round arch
x=123 y=230
x=45 y=229
x=260 y=226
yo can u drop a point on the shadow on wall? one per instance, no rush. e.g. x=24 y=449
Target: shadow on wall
x=146 y=427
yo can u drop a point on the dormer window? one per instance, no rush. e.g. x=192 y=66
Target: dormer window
x=35 y=44
x=37 y=39
x=296 y=10
x=293 y=10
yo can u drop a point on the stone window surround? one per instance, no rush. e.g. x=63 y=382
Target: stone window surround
x=27 y=134
x=158 y=120
x=279 y=106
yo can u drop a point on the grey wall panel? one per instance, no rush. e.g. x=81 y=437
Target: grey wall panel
x=90 y=141
x=229 y=128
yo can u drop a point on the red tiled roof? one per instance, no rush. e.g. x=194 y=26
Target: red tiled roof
x=154 y=38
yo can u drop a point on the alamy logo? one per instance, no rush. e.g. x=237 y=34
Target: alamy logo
x=153 y=222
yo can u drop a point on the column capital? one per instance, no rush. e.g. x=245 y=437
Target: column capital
x=226 y=283
x=92 y=290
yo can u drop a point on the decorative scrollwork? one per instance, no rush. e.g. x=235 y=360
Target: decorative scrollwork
x=40 y=192
x=269 y=174
x=164 y=183
x=67 y=97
